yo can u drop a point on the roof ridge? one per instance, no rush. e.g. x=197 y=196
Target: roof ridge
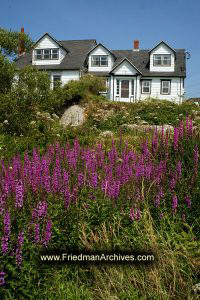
x=131 y=50
x=77 y=40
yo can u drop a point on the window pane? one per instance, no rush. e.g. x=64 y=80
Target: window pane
x=165 y=87
x=56 y=81
x=165 y=90
x=38 y=54
x=95 y=60
x=146 y=86
x=117 y=92
x=166 y=59
x=132 y=87
x=146 y=90
x=162 y=60
x=46 y=53
x=104 y=60
x=54 y=53
x=157 y=59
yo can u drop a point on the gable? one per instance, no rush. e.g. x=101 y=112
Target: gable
x=125 y=68
x=46 y=42
x=162 y=48
x=100 y=50
x=163 y=44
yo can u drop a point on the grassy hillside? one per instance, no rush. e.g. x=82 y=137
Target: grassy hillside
x=74 y=190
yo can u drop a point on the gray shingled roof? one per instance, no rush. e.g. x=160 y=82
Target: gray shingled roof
x=74 y=60
x=78 y=50
x=141 y=60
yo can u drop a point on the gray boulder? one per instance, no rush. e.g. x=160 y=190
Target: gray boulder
x=73 y=116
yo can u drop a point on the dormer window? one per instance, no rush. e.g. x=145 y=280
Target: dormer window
x=99 y=61
x=162 y=60
x=54 y=53
x=38 y=54
x=46 y=54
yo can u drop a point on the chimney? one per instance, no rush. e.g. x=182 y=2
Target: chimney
x=136 y=45
x=21 y=48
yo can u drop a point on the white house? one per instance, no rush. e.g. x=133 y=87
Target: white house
x=131 y=75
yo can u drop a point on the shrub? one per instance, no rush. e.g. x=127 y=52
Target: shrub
x=29 y=93
x=84 y=88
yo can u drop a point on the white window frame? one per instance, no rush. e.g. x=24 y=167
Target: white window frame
x=143 y=85
x=164 y=87
x=56 y=75
x=43 y=54
x=99 y=60
x=56 y=49
x=36 y=54
x=117 y=87
x=49 y=54
x=163 y=58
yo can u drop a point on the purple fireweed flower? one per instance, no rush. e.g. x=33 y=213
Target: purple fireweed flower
x=2 y=203
x=162 y=134
x=138 y=214
x=132 y=214
x=172 y=184
x=174 y=203
x=42 y=209
x=47 y=183
x=19 y=194
x=34 y=213
x=74 y=195
x=37 y=233
x=18 y=256
x=2 y=280
x=48 y=233
x=94 y=180
x=187 y=125
x=161 y=192
x=80 y=179
x=7 y=224
x=4 y=244
x=55 y=181
x=19 y=248
x=157 y=200
x=21 y=238
x=196 y=158
x=166 y=144
x=181 y=127
x=176 y=134
x=104 y=186
x=188 y=201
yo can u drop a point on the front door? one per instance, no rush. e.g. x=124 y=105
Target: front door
x=124 y=89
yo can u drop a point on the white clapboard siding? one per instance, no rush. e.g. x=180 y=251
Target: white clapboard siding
x=48 y=43
x=177 y=90
x=69 y=75
x=99 y=50
x=125 y=68
x=66 y=76
x=162 y=49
